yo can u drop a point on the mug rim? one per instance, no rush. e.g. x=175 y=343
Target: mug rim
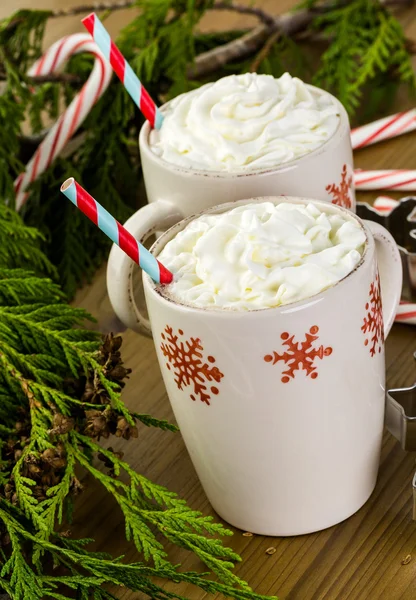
x=144 y=146
x=160 y=243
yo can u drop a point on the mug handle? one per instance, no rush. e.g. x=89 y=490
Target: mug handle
x=391 y=272
x=157 y=216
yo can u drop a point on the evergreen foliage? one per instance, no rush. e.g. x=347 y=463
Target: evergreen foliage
x=366 y=53
x=60 y=383
x=366 y=41
x=59 y=394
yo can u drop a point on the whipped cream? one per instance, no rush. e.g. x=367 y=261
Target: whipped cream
x=261 y=255
x=244 y=122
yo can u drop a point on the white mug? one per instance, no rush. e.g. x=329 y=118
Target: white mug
x=282 y=409
x=175 y=192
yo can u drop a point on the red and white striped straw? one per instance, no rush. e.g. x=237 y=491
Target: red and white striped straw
x=403 y=180
x=383 y=129
x=115 y=231
x=123 y=70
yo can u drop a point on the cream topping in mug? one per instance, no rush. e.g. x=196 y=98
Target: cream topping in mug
x=244 y=122
x=261 y=255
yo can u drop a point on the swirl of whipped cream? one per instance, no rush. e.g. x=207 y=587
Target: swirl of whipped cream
x=261 y=255
x=244 y=122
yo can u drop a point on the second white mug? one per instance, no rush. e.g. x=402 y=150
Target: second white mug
x=175 y=193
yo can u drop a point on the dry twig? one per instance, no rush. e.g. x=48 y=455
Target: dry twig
x=95 y=7
x=263 y=36
x=264 y=52
x=287 y=24
x=51 y=78
x=56 y=78
x=262 y=15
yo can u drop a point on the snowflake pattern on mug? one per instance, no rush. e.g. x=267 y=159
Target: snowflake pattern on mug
x=341 y=194
x=299 y=355
x=373 y=326
x=185 y=358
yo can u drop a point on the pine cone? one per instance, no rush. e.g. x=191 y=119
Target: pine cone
x=95 y=394
x=107 y=462
x=9 y=491
x=111 y=344
x=100 y=423
x=89 y=392
x=55 y=457
x=76 y=486
x=118 y=373
x=12 y=449
x=89 y=388
x=22 y=426
x=39 y=492
x=111 y=360
x=125 y=430
x=49 y=480
x=34 y=470
x=96 y=425
x=61 y=424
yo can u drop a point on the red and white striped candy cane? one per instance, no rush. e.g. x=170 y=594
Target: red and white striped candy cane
x=403 y=180
x=383 y=129
x=406 y=313
x=384 y=204
x=58 y=136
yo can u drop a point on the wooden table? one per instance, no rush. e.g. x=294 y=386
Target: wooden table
x=356 y=560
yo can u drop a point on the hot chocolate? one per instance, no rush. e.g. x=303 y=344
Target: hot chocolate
x=261 y=255
x=245 y=122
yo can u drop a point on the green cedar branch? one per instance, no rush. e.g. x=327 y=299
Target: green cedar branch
x=59 y=394
x=98 y=568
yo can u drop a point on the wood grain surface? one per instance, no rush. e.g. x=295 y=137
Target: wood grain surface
x=359 y=559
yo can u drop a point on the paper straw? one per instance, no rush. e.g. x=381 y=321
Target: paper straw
x=398 y=179
x=383 y=129
x=123 y=70
x=116 y=232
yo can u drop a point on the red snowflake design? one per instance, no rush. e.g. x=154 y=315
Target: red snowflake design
x=341 y=195
x=299 y=355
x=189 y=368
x=373 y=326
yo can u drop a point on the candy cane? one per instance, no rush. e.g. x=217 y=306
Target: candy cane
x=383 y=129
x=406 y=313
x=385 y=205
x=398 y=179
x=76 y=112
